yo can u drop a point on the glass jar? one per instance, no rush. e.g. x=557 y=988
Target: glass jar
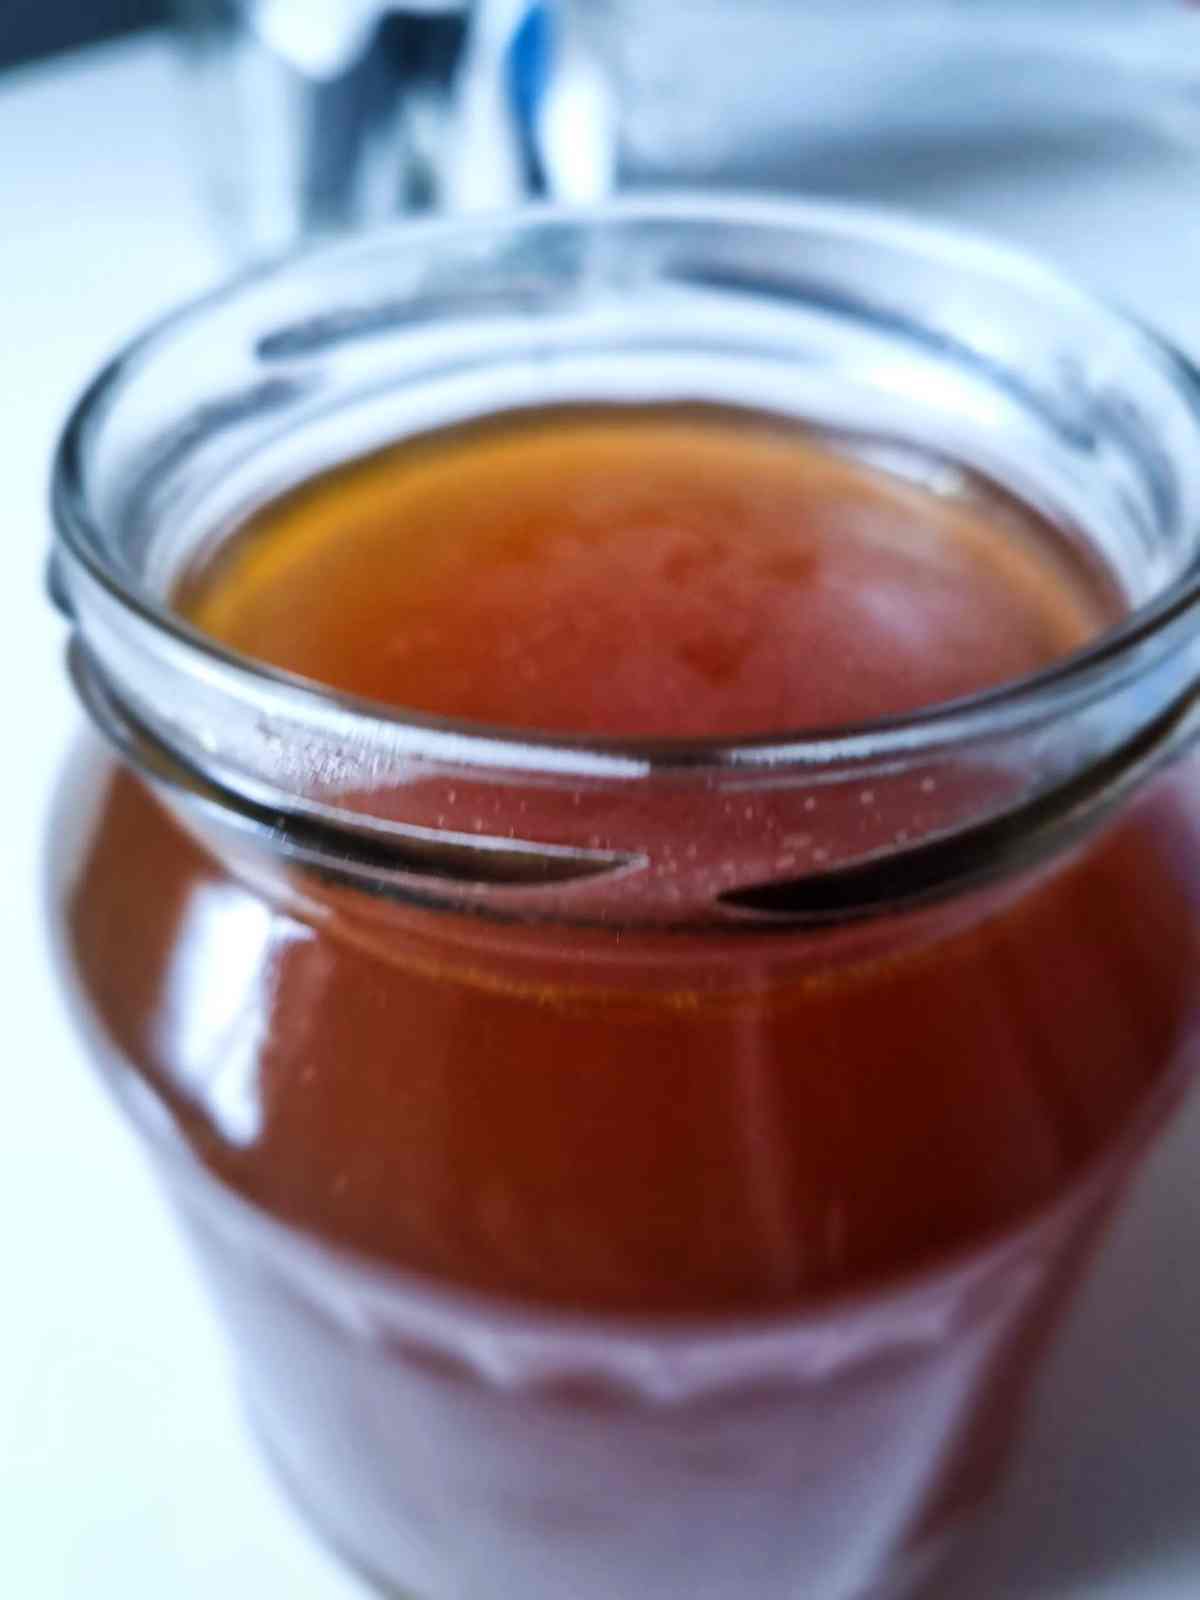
x=636 y=1168
x=308 y=117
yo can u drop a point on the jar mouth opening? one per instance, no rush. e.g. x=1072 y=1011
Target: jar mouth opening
x=1076 y=677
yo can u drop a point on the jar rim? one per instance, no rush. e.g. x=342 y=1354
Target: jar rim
x=1011 y=703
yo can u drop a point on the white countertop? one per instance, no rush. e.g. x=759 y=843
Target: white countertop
x=124 y=1471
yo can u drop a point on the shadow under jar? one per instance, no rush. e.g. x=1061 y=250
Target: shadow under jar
x=627 y=1165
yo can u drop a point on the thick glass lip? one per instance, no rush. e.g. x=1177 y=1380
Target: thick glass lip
x=1099 y=664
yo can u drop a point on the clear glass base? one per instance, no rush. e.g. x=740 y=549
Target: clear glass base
x=915 y=1577
x=287 y=1481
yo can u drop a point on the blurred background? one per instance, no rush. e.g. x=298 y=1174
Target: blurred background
x=32 y=29
x=298 y=118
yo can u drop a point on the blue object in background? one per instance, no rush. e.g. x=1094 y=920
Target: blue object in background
x=530 y=58
x=33 y=28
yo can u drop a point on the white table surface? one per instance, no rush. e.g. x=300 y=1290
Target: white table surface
x=124 y=1471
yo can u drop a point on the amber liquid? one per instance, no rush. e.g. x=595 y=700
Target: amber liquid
x=725 y=1124
x=662 y=572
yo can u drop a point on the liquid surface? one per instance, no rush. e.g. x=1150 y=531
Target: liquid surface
x=667 y=572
